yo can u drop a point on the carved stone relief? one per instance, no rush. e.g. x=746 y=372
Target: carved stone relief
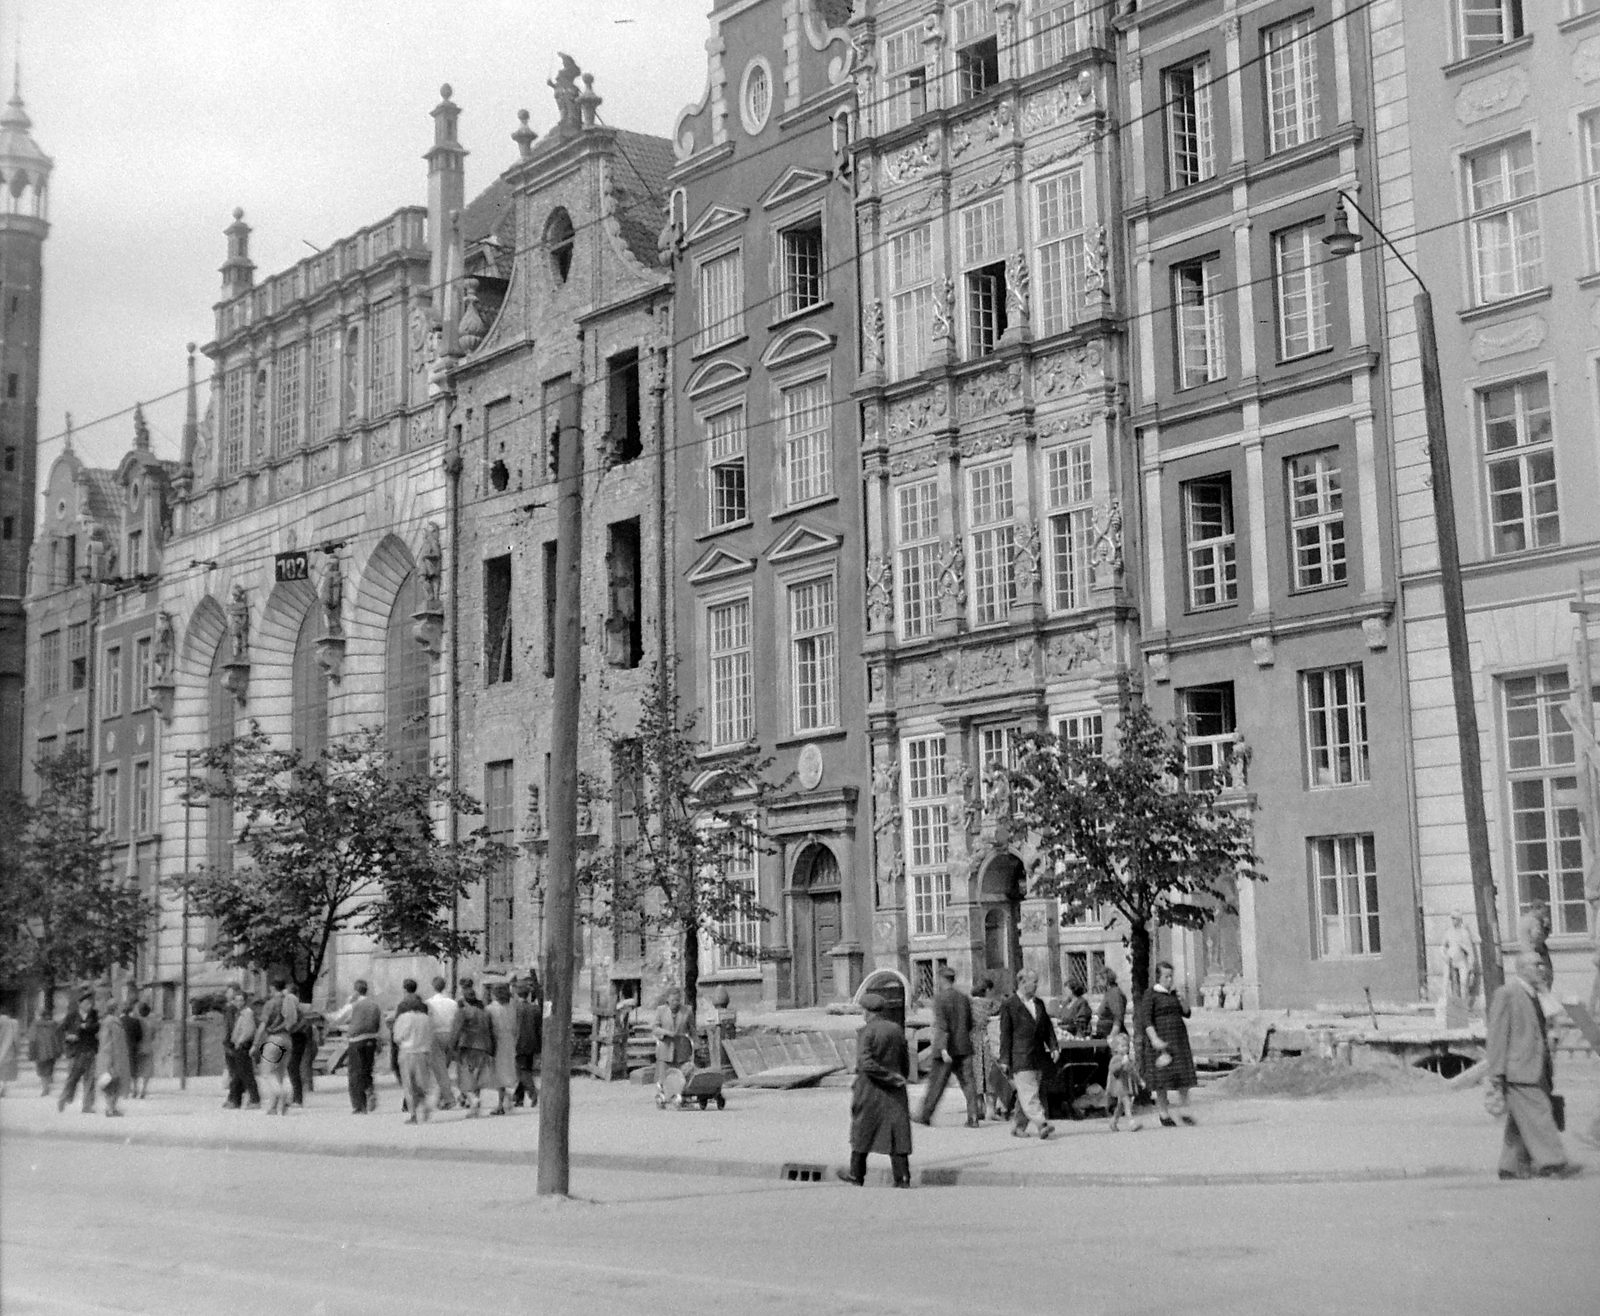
x=1070 y=371
x=880 y=594
x=1484 y=98
x=1508 y=339
x=911 y=162
x=915 y=415
x=986 y=394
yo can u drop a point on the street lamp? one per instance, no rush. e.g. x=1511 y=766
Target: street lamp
x=1341 y=242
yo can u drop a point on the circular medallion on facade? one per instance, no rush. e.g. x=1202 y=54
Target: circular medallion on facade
x=139 y=733
x=111 y=742
x=810 y=767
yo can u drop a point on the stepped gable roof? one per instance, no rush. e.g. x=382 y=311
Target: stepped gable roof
x=641 y=164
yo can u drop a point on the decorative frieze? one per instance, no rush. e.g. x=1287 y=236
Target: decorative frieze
x=915 y=415
x=1070 y=371
x=912 y=162
x=983 y=395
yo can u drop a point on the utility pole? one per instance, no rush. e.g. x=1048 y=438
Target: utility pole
x=561 y=908
x=183 y=994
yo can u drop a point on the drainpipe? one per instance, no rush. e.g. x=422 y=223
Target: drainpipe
x=452 y=469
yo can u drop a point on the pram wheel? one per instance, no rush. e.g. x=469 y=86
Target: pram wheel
x=704 y=1101
x=722 y=1102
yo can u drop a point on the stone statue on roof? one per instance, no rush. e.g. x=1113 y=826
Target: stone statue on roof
x=565 y=86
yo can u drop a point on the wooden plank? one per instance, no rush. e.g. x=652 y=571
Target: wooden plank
x=828 y=1049
x=847 y=1051
x=744 y=1056
x=804 y=1048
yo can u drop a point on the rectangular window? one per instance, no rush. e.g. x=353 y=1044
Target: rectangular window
x=1208 y=733
x=110 y=803
x=1197 y=297
x=927 y=834
x=111 y=688
x=1301 y=284
x=738 y=935
x=1485 y=25
x=235 y=395
x=994 y=576
x=1209 y=541
x=1069 y=486
x=982 y=258
x=624 y=616
x=1191 y=157
x=624 y=406
x=725 y=452
x=1590 y=164
x=324 y=383
x=286 y=405
x=77 y=655
x=1084 y=729
x=135 y=553
x=905 y=77
x=142 y=799
x=1519 y=447
x=917 y=557
x=49 y=673
x=977 y=47
x=497 y=639
x=1503 y=212
x=499 y=821
x=807 y=441
x=801 y=252
x=911 y=304
x=1546 y=802
x=1058 y=254
x=1335 y=704
x=385 y=392
x=1316 y=519
x=550 y=608
x=1344 y=870
x=1291 y=59
x=814 y=655
x=721 y=300
x=1056 y=31
x=728 y=630
x=141 y=672
x=627 y=921
x=997 y=748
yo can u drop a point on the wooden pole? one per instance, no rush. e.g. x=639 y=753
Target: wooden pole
x=183 y=994
x=556 y=1101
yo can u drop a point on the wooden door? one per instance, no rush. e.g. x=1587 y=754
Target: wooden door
x=824 y=937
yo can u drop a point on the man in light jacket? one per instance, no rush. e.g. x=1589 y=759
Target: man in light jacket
x=1518 y=1062
x=442 y=1009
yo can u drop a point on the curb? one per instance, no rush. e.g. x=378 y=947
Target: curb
x=930 y=1177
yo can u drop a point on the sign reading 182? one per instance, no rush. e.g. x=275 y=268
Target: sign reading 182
x=292 y=566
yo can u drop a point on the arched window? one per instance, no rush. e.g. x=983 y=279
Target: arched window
x=310 y=691
x=406 y=671
x=220 y=730
x=558 y=233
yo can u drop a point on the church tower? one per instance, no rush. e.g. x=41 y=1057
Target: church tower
x=24 y=195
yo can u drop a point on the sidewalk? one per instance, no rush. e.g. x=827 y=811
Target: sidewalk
x=617 y=1127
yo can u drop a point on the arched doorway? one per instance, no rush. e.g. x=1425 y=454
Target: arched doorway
x=406 y=682
x=1000 y=893
x=818 y=924
x=310 y=690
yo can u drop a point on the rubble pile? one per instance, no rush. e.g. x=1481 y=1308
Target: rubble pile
x=1313 y=1076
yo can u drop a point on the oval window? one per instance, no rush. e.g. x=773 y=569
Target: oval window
x=755 y=101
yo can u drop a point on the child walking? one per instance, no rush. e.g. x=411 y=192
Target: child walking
x=1121 y=1080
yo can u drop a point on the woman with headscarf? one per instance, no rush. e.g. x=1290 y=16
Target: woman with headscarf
x=113 y=1066
x=472 y=1042
x=880 y=1109
x=1168 y=1060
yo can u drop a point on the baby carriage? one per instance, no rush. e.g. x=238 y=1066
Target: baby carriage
x=685 y=1083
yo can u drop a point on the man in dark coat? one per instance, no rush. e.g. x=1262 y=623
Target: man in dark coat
x=45 y=1047
x=1027 y=1052
x=1517 y=1059
x=82 y=1034
x=952 y=1049
x=530 y=1040
x=880 y=1111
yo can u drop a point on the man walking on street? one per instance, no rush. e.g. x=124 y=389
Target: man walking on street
x=880 y=1112
x=1027 y=1049
x=1517 y=1061
x=365 y=1021
x=239 y=1035
x=413 y=1036
x=442 y=1012
x=530 y=1040
x=952 y=1049
x=44 y=1048
x=82 y=1033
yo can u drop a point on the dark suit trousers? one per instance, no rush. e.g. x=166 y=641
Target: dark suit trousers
x=241 y=1077
x=961 y=1067
x=82 y=1068
x=360 y=1059
x=1532 y=1141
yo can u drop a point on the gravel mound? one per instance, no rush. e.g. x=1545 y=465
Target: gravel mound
x=1309 y=1076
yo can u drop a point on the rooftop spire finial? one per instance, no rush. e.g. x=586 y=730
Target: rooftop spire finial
x=67 y=443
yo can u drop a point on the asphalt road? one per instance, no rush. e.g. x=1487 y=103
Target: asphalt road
x=94 y=1229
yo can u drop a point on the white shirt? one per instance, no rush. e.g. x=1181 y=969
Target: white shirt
x=413 y=1032
x=1032 y=1002
x=442 y=1010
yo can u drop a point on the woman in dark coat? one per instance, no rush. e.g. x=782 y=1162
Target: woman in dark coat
x=880 y=1110
x=1168 y=1064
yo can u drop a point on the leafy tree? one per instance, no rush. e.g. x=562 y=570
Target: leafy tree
x=1129 y=832
x=342 y=842
x=695 y=812
x=64 y=914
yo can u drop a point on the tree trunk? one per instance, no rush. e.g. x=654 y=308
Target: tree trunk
x=691 y=967
x=1139 y=949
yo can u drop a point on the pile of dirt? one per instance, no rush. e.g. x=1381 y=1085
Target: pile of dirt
x=1309 y=1076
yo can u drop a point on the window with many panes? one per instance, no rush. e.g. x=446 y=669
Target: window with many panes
x=905 y=78
x=141 y=672
x=111 y=802
x=977 y=48
x=1208 y=733
x=49 y=673
x=1507 y=247
x=911 y=298
x=1069 y=488
x=1485 y=25
x=111 y=683
x=235 y=397
x=1058 y=249
x=135 y=553
x=927 y=834
x=728 y=635
x=1291 y=70
x=917 y=556
x=1057 y=31
x=814 y=654
x=1546 y=802
x=1316 y=519
x=1209 y=542
x=1191 y=154
x=1334 y=702
x=1083 y=729
x=286 y=405
x=1301 y=284
x=77 y=655
x=1589 y=142
x=807 y=435
x=500 y=822
x=1197 y=302
x=738 y=938
x=984 y=266
x=725 y=453
x=801 y=252
x=143 y=800
x=1344 y=873
x=993 y=541
x=997 y=748
x=1519 y=447
x=324 y=383
x=721 y=289
x=384 y=394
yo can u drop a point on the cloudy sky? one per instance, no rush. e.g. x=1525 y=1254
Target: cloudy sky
x=163 y=115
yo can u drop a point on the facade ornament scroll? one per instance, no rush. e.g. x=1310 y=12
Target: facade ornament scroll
x=472 y=328
x=880 y=594
x=872 y=350
x=1025 y=552
x=1018 y=286
x=1097 y=263
x=1107 y=550
x=944 y=309
x=953 y=574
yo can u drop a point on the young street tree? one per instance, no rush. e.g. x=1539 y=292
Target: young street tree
x=697 y=818
x=343 y=842
x=64 y=914
x=1129 y=832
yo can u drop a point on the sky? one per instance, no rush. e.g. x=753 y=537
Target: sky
x=163 y=116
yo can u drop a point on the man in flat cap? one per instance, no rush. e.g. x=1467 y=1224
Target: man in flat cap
x=952 y=1049
x=880 y=1111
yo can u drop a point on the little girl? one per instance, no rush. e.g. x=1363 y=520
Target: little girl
x=1120 y=1080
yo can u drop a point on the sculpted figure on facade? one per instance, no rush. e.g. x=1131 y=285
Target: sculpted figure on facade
x=1097 y=262
x=880 y=594
x=953 y=573
x=997 y=792
x=166 y=644
x=1107 y=549
x=962 y=789
x=239 y=623
x=333 y=598
x=431 y=563
x=872 y=355
x=565 y=86
x=1026 y=552
x=944 y=310
x=1018 y=284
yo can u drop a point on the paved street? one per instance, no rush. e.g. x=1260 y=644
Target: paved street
x=89 y=1228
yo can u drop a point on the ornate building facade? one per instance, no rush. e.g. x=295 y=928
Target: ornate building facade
x=994 y=459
